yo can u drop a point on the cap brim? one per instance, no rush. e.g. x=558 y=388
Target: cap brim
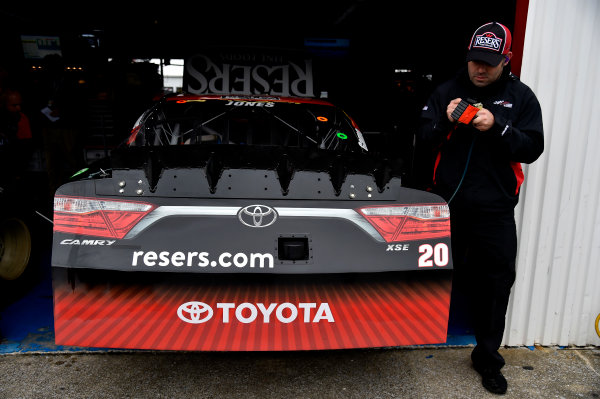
x=490 y=58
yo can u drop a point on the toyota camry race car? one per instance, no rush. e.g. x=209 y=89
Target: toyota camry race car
x=248 y=224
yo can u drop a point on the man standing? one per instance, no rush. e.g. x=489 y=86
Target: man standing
x=478 y=128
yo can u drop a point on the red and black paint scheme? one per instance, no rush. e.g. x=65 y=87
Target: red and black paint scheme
x=225 y=225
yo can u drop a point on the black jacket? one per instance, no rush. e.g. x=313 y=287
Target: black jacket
x=494 y=175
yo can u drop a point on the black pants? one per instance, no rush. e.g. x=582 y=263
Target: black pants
x=484 y=248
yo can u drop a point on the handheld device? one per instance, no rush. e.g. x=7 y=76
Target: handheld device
x=465 y=111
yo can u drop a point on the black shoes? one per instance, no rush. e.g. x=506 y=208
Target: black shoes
x=493 y=381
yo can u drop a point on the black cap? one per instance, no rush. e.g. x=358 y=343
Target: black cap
x=490 y=44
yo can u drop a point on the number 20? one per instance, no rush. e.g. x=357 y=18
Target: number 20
x=439 y=253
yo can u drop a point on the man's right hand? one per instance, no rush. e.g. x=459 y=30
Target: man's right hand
x=451 y=107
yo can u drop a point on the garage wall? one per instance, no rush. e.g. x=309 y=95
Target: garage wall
x=556 y=297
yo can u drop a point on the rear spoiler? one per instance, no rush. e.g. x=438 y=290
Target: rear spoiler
x=284 y=161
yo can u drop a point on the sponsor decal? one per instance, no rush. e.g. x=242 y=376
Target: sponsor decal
x=257 y=216
x=248 y=74
x=195 y=312
x=488 y=41
x=244 y=103
x=87 y=242
x=505 y=104
x=200 y=312
x=201 y=259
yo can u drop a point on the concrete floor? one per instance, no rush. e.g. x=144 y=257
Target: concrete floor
x=443 y=372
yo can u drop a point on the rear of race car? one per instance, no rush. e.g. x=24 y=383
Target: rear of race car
x=248 y=224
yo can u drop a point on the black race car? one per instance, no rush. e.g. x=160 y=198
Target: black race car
x=248 y=223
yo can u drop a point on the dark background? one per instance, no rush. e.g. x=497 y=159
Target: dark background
x=429 y=38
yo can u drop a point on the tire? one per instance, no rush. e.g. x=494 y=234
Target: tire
x=15 y=248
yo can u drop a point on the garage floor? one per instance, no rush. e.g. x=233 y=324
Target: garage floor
x=27 y=324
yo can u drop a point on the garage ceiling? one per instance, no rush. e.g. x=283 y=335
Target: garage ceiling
x=174 y=28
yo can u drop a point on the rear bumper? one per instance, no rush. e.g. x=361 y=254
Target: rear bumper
x=191 y=312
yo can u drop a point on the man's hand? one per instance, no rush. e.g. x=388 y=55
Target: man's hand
x=451 y=107
x=483 y=121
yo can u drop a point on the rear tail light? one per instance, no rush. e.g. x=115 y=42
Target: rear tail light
x=409 y=222
x=97 y=217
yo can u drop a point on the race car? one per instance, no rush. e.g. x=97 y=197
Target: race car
x=248 y=223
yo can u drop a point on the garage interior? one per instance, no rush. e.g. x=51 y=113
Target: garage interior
x=377 y=60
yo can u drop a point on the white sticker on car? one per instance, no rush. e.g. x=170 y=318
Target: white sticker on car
x=440 y=254
x=201 y=259
x=199 y=312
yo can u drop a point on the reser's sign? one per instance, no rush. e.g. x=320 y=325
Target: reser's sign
x=219 y=75
x=199 y=312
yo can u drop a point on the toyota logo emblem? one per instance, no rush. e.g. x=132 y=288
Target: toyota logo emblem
x=192 y=312
x=257 y=216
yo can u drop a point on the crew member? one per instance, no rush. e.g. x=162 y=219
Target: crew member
x=15 y=134
x=476 y=149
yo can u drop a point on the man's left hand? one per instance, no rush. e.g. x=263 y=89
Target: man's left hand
x=483 y=121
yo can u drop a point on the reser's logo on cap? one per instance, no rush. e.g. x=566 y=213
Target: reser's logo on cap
x=192 y=312
x=257 y=215
x=488 y=41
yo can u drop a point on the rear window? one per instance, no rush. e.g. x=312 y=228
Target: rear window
x=247 y=121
